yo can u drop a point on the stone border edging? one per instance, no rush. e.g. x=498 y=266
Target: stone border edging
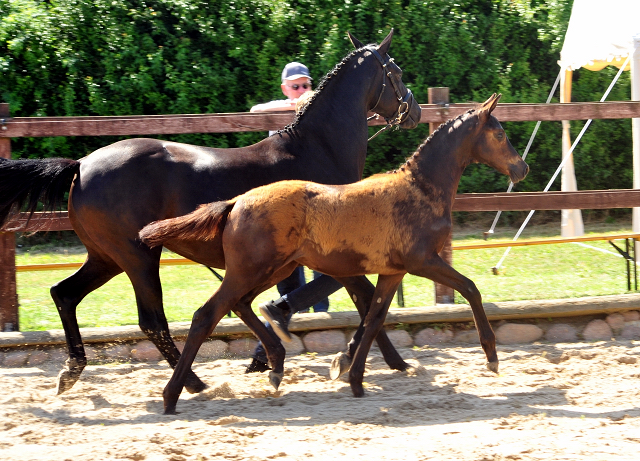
x=443 y=313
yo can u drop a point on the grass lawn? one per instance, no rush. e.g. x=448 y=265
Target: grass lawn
x=530 y=272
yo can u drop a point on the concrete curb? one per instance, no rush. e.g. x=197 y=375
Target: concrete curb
x=442 y=313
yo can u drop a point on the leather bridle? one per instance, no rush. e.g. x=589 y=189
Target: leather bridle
x=404 y=101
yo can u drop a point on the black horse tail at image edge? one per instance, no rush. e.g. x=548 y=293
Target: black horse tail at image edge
x=24 y=184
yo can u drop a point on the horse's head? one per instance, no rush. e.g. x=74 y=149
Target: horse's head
x=390 y=98
x=492 y=145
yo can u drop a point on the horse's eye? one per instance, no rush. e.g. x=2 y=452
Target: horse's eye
x=500 y=135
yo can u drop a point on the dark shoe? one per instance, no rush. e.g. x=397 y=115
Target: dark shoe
x=256 y=366
x=276 y=315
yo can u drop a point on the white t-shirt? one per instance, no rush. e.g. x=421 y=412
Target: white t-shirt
x=279 y=104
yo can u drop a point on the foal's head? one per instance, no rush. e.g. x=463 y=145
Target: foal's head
x=491 y=144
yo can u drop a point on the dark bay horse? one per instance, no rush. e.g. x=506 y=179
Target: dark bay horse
x=120 y=188
x=389 y=224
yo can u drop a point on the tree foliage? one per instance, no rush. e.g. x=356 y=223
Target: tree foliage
x=121 y=57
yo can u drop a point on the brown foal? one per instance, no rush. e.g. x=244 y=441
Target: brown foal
x=389 y=224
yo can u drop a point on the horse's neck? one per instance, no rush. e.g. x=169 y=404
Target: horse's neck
x=336 y=123
x=439 y=164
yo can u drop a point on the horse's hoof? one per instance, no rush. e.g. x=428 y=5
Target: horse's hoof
x=66 y=379
x=403 y=366
x=275 y=379
x=194 y=385
x=339 y=365
x=170 y=410
x=493 y=366
x=358 y=390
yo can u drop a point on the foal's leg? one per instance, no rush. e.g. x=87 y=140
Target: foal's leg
x=204 y=321
x=236 y=292
x=67 y=294
x=373 y=322
x=273 y=346
x=361 y=291
x=441 y=272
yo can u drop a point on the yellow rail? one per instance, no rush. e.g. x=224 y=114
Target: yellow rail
x=65 y=266
x=459 y=246
x=550 y=241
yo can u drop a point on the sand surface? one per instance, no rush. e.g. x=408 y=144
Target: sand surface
x=578 y=401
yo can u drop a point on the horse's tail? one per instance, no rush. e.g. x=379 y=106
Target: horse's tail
x=204 y=223
x=25 y=183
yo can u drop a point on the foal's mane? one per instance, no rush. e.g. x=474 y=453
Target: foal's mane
x=442 y=126
x=336 y=69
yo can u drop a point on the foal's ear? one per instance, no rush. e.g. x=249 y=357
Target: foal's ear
x=354 y=41
x=384 y=46
x=490 y=104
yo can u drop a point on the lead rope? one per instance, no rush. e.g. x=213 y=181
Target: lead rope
x=403 y=107
x=379 y=131
x=564 y=160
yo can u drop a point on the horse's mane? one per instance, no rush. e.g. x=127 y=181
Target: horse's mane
x=440 y=128
x=289 y=128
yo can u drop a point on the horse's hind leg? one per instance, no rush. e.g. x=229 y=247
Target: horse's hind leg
x=361 y=291
x=373 y=322
x=234 y=293
x=143 y=269
x=67 y=294
x=275 y=351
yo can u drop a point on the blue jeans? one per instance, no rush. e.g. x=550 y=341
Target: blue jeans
x=299 y=299
x=314 y=293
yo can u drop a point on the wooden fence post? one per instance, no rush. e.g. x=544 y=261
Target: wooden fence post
x=8 y=293
x=444 y=294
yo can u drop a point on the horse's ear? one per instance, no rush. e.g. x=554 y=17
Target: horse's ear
x=490 y=104
x=354 y=41
x=384 y=46
x=494 y=103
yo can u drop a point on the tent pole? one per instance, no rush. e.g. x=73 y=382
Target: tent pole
x=635 y=125
x=571 y=224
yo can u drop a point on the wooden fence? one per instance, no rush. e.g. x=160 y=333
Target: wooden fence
x=15 y=127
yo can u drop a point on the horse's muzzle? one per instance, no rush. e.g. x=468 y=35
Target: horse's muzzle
x=518 y=172
x=412 y=117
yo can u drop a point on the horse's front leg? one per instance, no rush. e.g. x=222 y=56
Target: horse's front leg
x=361 y=292
x=440 y=272
x=373 y=322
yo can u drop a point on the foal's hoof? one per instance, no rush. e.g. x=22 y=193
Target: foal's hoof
x=357 y=389
x=339 y=365
x=193 y=384
x=275 y=379
x=66 y=379
x=493 y=366
x=170 y=410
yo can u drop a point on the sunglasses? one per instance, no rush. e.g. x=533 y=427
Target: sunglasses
x=295 y=87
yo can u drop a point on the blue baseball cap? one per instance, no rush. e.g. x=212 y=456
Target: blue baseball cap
x=295 y=70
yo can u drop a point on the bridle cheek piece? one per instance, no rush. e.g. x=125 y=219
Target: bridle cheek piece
x=405 y=101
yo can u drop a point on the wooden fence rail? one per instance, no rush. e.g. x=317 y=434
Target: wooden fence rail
x=15 y=127
x=20 y=127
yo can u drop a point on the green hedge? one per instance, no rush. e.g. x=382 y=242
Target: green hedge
x=118 y=57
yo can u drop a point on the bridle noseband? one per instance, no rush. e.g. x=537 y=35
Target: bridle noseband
x=403 y=108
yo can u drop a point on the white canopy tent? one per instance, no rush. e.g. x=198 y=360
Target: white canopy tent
x=600 y=33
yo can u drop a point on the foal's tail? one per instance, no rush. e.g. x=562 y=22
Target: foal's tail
x=203 y=224
x=25 y=183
